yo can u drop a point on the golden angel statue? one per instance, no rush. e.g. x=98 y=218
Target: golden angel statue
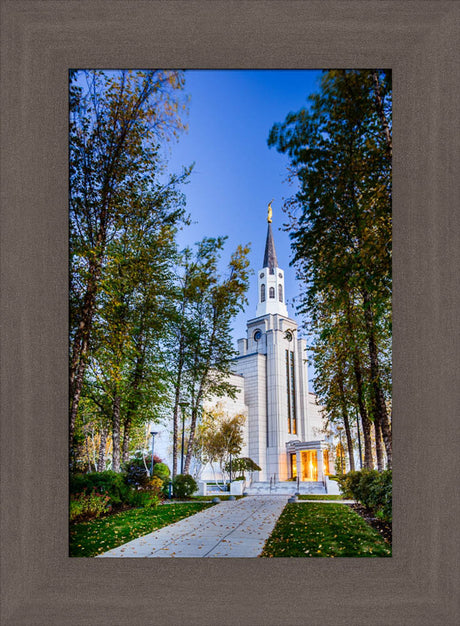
x=269 y=216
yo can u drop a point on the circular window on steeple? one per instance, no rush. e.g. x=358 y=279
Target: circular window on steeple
x=261 y=274
x=257 y=335
x=280 y=275
x=288 y=335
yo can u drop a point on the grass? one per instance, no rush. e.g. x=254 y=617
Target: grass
x=99 y=535
x=319 y=497
x=323 y=530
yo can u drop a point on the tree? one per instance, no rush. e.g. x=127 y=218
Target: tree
x=117 y=121
x=219 y=436
x=201 y=350
x=340 y=227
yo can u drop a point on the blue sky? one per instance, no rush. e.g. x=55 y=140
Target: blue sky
x=236 y=174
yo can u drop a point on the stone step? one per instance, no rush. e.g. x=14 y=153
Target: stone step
x=285 y=487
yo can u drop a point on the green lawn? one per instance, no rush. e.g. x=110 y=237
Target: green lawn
x=319 y=497
x=324 y=530
x=99 y=535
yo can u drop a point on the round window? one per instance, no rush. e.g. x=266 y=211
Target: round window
x=261 y=275
x=288 y=335
x=280 y=275
x=257 y=335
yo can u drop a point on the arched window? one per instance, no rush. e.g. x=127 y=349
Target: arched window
x=262 y=293
x=272 y=292
x=280 y=292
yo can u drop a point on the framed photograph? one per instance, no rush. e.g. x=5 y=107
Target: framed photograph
x=41 y=584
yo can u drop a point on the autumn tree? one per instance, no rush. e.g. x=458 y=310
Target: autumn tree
x=340 y=226
x=219 y=436
x=117 y=123
x=201 y=350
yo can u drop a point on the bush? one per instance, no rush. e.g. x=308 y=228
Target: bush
x=161 y=470
x=135 y=473
x=154 y=492
x=184 y=486
x=108 y=483
x=372 y=489
x=88 y=505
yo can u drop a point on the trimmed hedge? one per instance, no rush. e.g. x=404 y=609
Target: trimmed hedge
x=184 y=486
x=371 y=488
x=108 y=483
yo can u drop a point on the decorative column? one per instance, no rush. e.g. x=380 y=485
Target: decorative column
x=298 y=456
x=320 y=464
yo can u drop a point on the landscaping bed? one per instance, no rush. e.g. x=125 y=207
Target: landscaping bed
x=323 y=530
x=96 y=536
x=384 y=529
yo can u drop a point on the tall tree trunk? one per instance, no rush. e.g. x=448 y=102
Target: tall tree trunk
x=378 y=447
x=368 y=461
x=176 y=409
x=126 y=439
x=81 y=343
x=191 y=438
x=116 y=434
x=380 y=410
x=346 y=421
x=101 y=457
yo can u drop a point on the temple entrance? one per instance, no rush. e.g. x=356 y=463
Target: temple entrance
x=309 y=465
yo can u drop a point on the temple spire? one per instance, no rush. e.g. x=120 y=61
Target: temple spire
x=270 y=259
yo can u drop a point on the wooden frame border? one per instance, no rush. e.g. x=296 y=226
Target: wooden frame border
x=40 y=41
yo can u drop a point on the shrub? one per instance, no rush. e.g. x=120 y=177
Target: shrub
x=154 y=492
x=135 y=472
x=184 y=486
x=88 y=505
x=108 y=483
x=373 y=489
x=161 y=470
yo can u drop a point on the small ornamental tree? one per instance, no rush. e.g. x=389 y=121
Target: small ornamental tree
x=240 y=466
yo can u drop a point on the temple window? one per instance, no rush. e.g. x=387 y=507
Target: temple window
x=262 y=293
x=280 y=292
x=272 y=293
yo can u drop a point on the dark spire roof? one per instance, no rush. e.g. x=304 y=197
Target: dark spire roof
x=270 y=259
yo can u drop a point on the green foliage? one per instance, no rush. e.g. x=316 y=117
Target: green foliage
x=97 y=536
x=135 y=472
x=244 y=464
x=339 y=148
x=108 y=483
x=184 y=486
x=161 y=470
x=373 y=489
x=323 y=530
x=88 y=505
x=218 y=437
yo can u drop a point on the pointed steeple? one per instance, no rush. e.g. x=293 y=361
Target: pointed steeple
x=270 y=281
x=270 y=259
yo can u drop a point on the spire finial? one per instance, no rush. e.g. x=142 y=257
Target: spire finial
x=269 y=216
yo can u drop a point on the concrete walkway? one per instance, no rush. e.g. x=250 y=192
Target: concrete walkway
x=237 y=528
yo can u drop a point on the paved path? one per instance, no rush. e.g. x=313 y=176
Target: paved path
x=237 y=528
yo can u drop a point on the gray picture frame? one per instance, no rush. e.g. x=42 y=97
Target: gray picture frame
x=40 y=42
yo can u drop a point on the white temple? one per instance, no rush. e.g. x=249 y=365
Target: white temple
x=284 y=421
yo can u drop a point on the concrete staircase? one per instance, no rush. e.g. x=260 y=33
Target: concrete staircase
x=285 y=488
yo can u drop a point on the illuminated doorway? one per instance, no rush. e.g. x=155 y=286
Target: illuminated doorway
x=326 y=463
x=309 y=465
x=293 y=465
